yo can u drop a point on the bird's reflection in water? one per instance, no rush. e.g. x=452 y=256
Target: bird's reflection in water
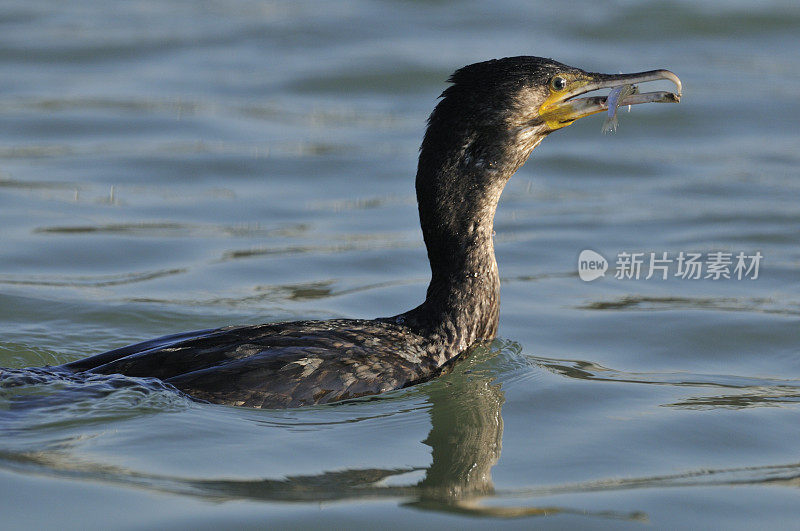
x=466 y=434
x=465 y=438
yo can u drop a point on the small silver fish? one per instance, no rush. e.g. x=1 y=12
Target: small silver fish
x=615 y=97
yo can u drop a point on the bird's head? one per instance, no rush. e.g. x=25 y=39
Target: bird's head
x=497 y=111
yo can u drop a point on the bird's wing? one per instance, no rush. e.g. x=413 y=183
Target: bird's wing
x=278 y=364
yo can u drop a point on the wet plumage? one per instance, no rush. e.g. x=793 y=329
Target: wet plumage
x=281 y=364
x=483 y=129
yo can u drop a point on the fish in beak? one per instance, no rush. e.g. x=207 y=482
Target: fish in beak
x=564 y=105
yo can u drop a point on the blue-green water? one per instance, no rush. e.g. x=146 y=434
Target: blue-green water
x=174 y=165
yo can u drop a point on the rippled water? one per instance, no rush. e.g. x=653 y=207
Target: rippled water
x=171 y=166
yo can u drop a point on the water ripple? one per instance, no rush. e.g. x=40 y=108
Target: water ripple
x=43 y=397
x=731 y=391
x=93 y=281
x=729 y=304
x=345 y=247
x=170 y=229
x=787 y=475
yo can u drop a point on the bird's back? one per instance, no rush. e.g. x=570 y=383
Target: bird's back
x=279 y=365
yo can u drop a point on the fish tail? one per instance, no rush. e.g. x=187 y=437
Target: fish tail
x=610 y=124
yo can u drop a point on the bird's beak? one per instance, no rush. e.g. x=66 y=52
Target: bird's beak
x=563 y=107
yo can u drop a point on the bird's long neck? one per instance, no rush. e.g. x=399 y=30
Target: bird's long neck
x=457 y=217
x=462 y=172
x=473 y=145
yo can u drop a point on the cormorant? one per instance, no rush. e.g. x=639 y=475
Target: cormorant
x=483 y=129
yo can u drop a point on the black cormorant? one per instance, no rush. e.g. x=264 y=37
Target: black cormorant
x=483 y=129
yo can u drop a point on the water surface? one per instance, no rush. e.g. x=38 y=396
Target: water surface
x=170 y=166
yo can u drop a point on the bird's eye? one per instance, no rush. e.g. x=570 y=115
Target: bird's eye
x=558 y=83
